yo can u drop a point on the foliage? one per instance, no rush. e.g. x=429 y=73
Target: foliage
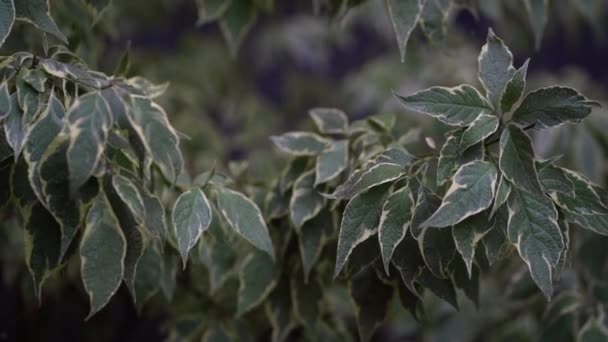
x=355 y=225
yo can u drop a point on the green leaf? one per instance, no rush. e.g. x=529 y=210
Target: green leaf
x=257 y=279
x=331 y=162
x=245 y=218
x=149 y=271
x=5 y=97
x=514 y=88
x=300 y=143
x=129 y=194
x=160 y=140
x=471 y=192
x=595 y=223
x=438 y=250
x=395 y=155
x=155 y=219
x=191 y=216
x=555 y=180
x=360 y=181
x=75 y=73
x=13 y=127
x=292 y=171
x=28 y=98
x=534 y=231
x=312 y=236
x=89 y=121
x=517 y=159
x=359 y=221
x=306 y=202
x=594 y=330
x=7 y=18
x=466 y=236
x=211 y=10
x=371 y=310
x=279 y=311
x=217 y=252
x=395 y=219
x=37 y=13
x=552 y=106
x=307 y=300
x=329 y=120
x=168 y=279
x=404 y=15
x=537 y=14
x=35 y=79
x=495 y=241
x=448 y=156
x=457 y=106
x=236 y=23
x=495 y=67
x=426 y=204
x=502 y=194
x=434 y=19
x=484 y=126
x=102 y=254
x=585 y=200
x=42 y=133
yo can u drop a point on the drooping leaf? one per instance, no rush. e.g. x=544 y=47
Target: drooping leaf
x=426 y=204
x=433 y=19
x=537 y=14
x=217 y=253
x=495 y=67
x=312 y=237
x=191 y=216
x=329 y=120
x=149 y=271
x=257 y=279
x=360 y=181
x=371 y=310
x=236 y=23
x=517 y=159
x=279 y=310
x=404 y=15
x=245 y=218
x=307 y=300
x=595 y=223
x=514 y=88
x=585 y=199
x=5 y=97
x=552 y=106
x=495 y=241
x=129 y=194
x=457 y=106
x=471 y=192
x=155 y=220
x=448 y=156
x=160 y=140
x=7 y=18
x=37 y=12
x=395 y=219
x=502 y=194
x=554 y=179
x=89 y=121
x=484 y=126
x=300 y=143
x=466 y=236
x=534 y=231
x=359 y=222
x=306 y=202
x=331 y=162
x=292 y=171
x=102 y=254
x=14 y=129
x=437 y=249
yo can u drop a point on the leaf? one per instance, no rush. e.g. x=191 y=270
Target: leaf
x=305 y=201
x=13 y=127
x=426 y=204
x=279 y=311
x=75 y=73
x=331 y=162
x=471 y=192
x=495 y=67
x=555 y=180
x=484 y=126
x=129 y=194
x=553 y=106
x=155 y=219
x=537 y=14
x=5 y=97
x=38 y=14
x=217 y=252
x=433 y=19
x=292 y=171
x=245 y=218
x=150 y=122
x=89 y=121
x=149 y=271
x=514 y=88
x=502 y=194
x=312 y=236
x=437 y=249
x=300 y=143
x=359 y=221
x=517 y=159
x=371 y=310
x=329 y=120
x=7 y=18
x=404 y=15
x=448 y=156
x=211 y=10
x=102 y=254
x=495 y=241
x=457 y=106
x=585 y=200
x=360 y=181
x=595 y=223
x=307 y=300
x=236 y=23
x=395 y=155
x=42 y=133
x=257 y=278
x=395 y=219
x=534 y=231
x=594 y=330
x=191 y=216
x=466 y=236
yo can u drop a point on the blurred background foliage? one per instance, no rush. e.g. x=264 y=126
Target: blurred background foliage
x=297 y=55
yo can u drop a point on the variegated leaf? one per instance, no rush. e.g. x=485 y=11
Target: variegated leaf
x=191 y=216
x=360 y=180
x=395 y=219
